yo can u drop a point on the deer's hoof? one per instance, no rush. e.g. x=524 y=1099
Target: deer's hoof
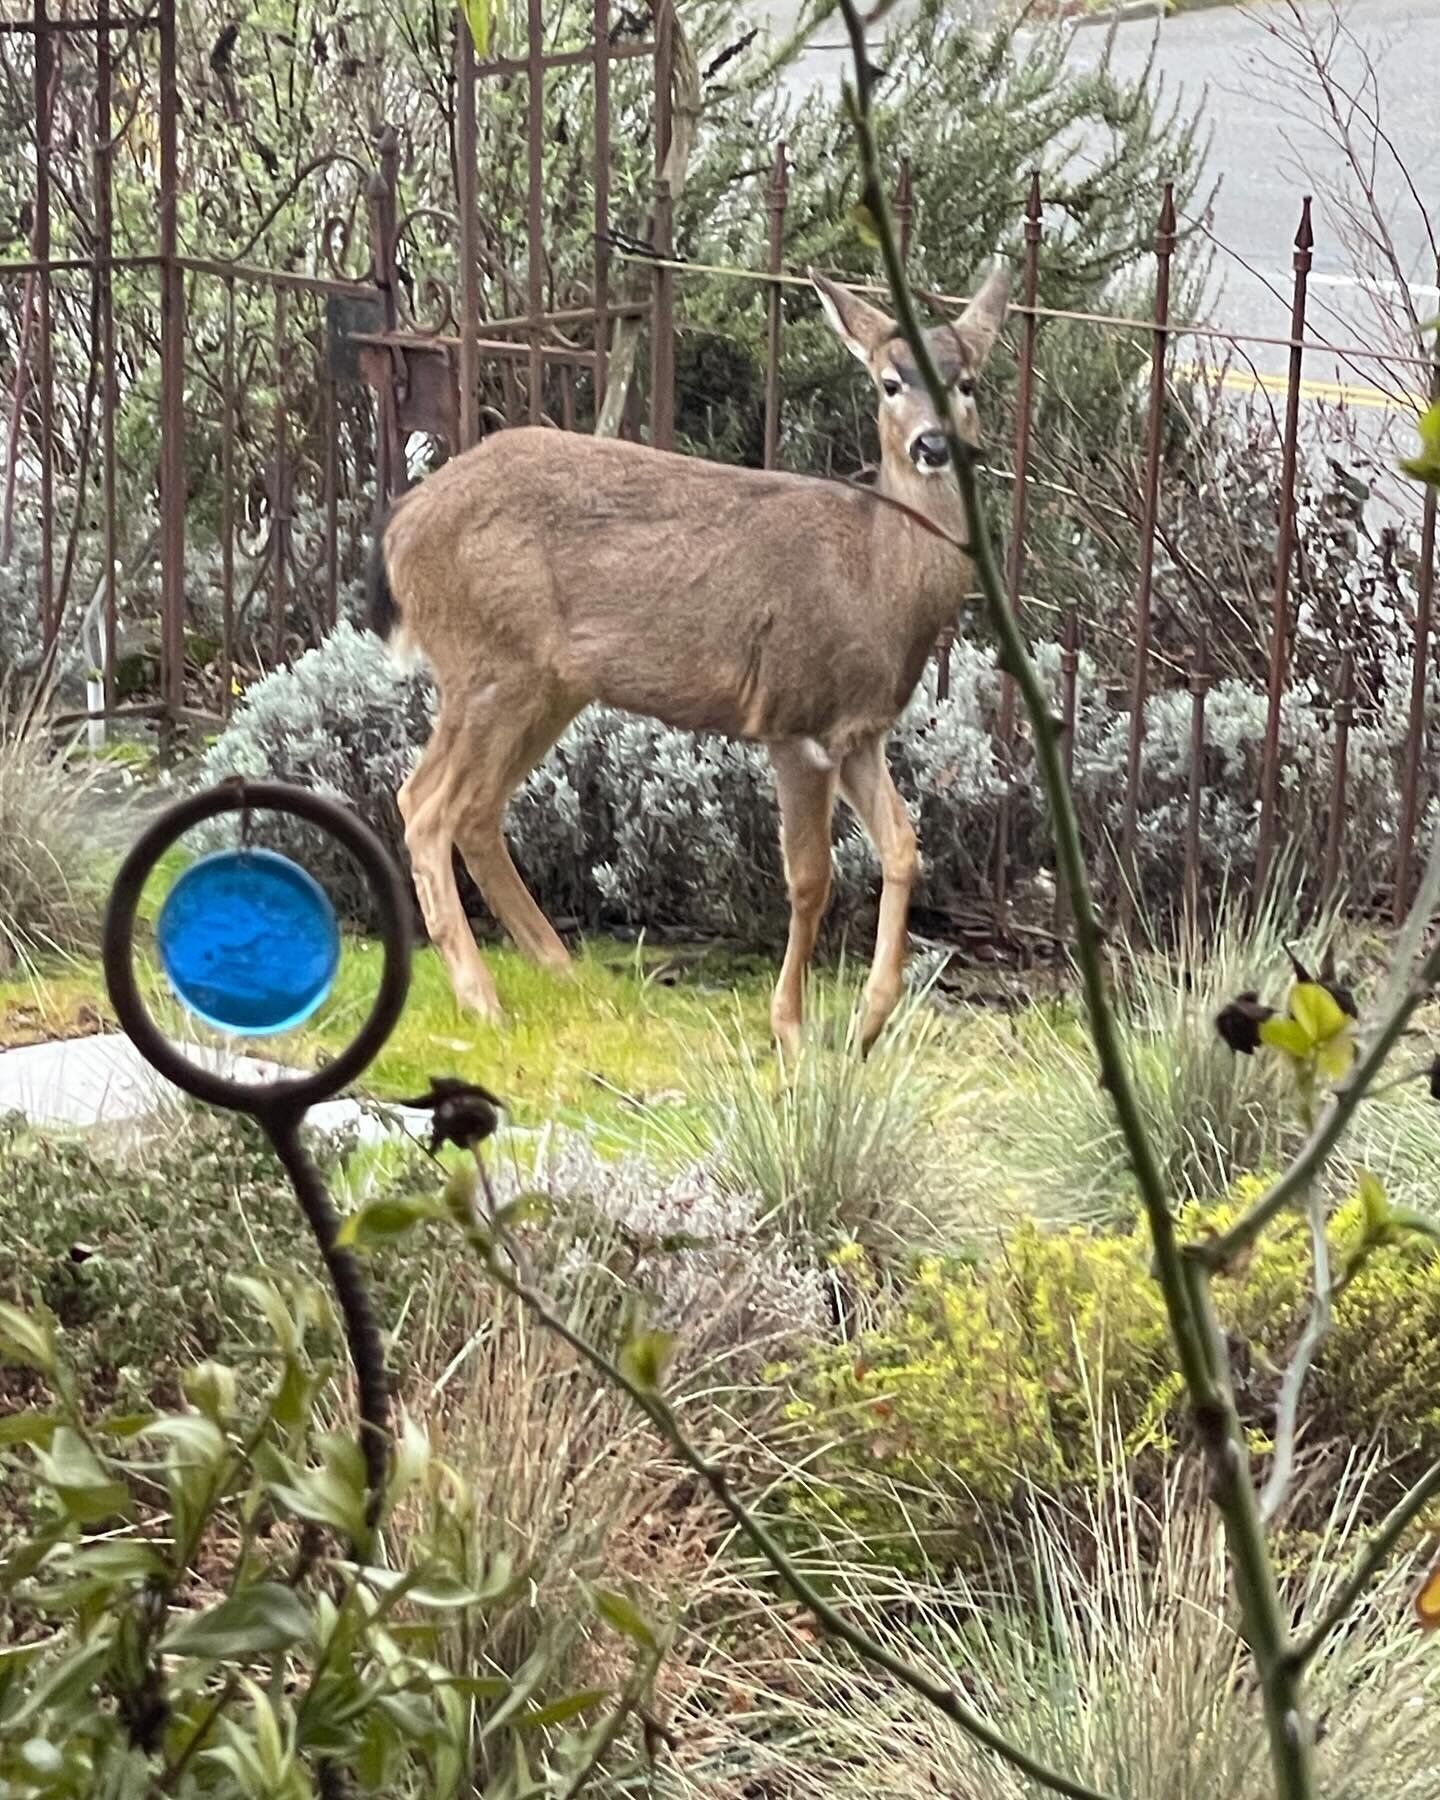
x=481 y=1003
x=786 y=1033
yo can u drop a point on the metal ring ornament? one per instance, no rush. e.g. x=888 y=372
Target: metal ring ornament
x=293 y=1096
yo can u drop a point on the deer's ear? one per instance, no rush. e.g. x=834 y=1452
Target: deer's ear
x=979 y=325
x=859 y=326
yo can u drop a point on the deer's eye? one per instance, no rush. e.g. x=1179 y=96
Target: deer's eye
x=891 y=385
x=965 y=386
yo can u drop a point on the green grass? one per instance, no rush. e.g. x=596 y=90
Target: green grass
x=606 y=1045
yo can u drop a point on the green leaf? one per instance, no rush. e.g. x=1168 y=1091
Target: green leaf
x=117 y=1559
x=524 y=1209
x=461 y=1187
x=125 y=1425
x=1317 y=1012
x=1425 y=465
x=200 y=1442
x=80 y=1481
x=617 y=1611
x=476 y=1687
x=1285 y=1034
x=269 y=1301
x=442 y=1591
x=570 y=1707
x=1376 y=1212
x=27 y=1339
x=259 y=1620
x=211 y=1388
x=1404 y=1219
x=1333 y=1061
x=29 y=1428
x=479 y=17
x=865 y=225
x=385 y=1221
x=644 y=1358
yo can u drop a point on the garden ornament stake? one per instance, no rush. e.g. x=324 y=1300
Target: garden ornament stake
x=250 y=944
x=543 y=571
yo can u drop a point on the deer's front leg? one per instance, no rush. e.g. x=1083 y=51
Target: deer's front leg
x=807 y=799
x=866 y=784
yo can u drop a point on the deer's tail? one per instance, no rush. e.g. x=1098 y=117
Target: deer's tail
x=381 y=612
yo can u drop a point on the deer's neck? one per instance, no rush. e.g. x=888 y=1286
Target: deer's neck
x=937 y=575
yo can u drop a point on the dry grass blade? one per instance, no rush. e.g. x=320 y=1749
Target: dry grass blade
x=1105 y=1644
x=1210 y=1114
x=50 y=886
x=836 y=1146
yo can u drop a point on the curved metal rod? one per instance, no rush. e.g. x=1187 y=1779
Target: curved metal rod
x=298 y=1094
x=280 y=1107
x=315 y=164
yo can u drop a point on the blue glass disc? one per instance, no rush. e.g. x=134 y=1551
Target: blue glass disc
x=249 y=941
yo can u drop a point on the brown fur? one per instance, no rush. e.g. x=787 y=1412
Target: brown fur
x=543 y=571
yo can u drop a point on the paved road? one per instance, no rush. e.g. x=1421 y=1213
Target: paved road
x=1268 y=150
x=1228 y=60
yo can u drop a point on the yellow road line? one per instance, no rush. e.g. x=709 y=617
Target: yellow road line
x=1336 y=393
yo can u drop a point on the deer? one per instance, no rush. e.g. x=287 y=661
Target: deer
x=542 y=571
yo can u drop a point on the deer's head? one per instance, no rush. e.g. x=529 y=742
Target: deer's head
x=912 y=435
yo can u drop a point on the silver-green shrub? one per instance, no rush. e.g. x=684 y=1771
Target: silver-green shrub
x=630 y=825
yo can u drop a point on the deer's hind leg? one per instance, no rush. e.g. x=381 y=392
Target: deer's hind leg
x=807 y=800
x=427 y=803
x=866 y=783
x=504 y=734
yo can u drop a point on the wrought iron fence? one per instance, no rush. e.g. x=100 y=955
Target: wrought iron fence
x=348 y=359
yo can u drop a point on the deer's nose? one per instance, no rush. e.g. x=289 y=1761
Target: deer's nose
x=931 y=450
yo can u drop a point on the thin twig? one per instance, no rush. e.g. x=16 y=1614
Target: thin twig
x=1368 y=1564
x=834 y=1623
x=1287 y=1409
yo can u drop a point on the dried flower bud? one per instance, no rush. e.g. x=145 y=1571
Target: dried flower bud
x=1239 y=1023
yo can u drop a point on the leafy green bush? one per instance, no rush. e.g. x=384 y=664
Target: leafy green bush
x=131 y=1247
x=198 y=1603
x=132 y=1253
x=987 y=1380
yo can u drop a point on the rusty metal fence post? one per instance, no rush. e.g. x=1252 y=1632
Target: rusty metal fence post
x=778 y=199
x=227 y=505
x=390 y=471
x=662 y=326
x=172 y=377
x=662 y=318
x=1069 y=682
x=466 y=174
x=535 y=206
x=1019 y=510
x=602 y=201
x=1150 y=502
x=45 y=76
x=904 y=207
x=105 y=298
x=1284 y=551
x=279 y=497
